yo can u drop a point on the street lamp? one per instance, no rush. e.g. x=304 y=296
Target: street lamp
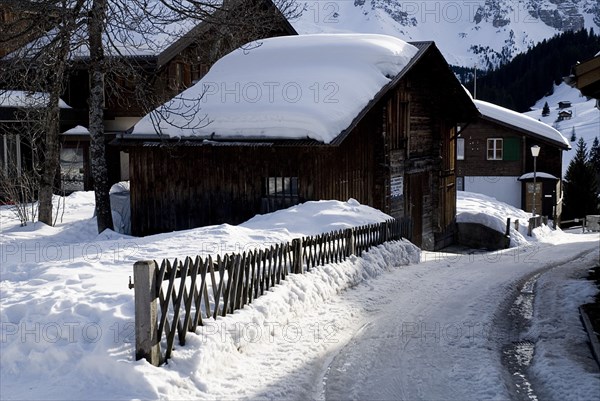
x=535 y=151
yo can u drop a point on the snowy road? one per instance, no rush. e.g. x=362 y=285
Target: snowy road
x=441 y=334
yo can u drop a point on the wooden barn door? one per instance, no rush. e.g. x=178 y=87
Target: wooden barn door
x=416 y=186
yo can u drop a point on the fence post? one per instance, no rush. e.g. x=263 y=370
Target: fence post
x=297 y=252
x=147 y=343
x=383 y=228
x=350 y=242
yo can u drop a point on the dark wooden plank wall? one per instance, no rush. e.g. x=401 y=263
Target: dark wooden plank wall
x=549 y=160
x=476 y=163
x=397 y=127
x=422 y=145
x=183 y=187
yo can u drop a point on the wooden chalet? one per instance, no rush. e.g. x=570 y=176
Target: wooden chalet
x=172 y=67
x=494 y=159
x=564 y=104
x=564 y=115
x=169 y=71
x=397 y=155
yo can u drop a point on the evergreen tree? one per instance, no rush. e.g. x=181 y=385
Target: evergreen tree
x=595 y=159
x=546 y=110
x=581 y=186
x=595 y=154
x=529 y=76
x=573 y=136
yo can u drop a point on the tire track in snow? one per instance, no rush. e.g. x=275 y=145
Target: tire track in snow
x=515 y=319
x=381 y=361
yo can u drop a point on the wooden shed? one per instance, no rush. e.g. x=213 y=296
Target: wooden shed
x=397 y=155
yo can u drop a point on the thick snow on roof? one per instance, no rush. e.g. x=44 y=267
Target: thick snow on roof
x=538 y=174
x=286 y=87
x=519 y=120
x=23 y=99
x=78 y=130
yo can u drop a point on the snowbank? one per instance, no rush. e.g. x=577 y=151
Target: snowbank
x=269 y=323
x=334 y=215
x=472 y=207
x=67 y=314
x=286 y=87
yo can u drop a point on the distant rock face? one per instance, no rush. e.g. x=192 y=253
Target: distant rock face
x=562 y=15
x=486 y=33
x=566 y=16
x=494 y=11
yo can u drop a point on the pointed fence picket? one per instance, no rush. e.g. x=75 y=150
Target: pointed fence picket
x=175 y=297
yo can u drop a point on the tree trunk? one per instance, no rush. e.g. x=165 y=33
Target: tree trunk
x=51 y=139
x=96 y=116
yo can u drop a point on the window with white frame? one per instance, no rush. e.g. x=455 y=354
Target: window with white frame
x=494 y=148
x=460 y=183
x=460 y=149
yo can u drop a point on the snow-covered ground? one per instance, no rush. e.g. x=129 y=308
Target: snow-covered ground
x=473 y=207
x=585 y=120
x=67 y=315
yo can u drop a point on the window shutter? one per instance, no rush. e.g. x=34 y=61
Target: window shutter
x=512 y=149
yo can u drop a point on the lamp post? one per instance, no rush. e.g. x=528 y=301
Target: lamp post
x=535 y=151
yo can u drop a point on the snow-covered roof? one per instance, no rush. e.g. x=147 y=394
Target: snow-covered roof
x=293 y=87
x=23 y=99
x=521 y=122
x=78 y=130
x=539 y=174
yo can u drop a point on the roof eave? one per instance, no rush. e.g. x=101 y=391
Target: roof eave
x=129 y=140
x=559 y=144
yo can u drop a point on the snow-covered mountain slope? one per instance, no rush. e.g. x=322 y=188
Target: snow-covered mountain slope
x=482 y=32
x=585 y=117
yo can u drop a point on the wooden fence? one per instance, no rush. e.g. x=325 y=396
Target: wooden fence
x=175 y=297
